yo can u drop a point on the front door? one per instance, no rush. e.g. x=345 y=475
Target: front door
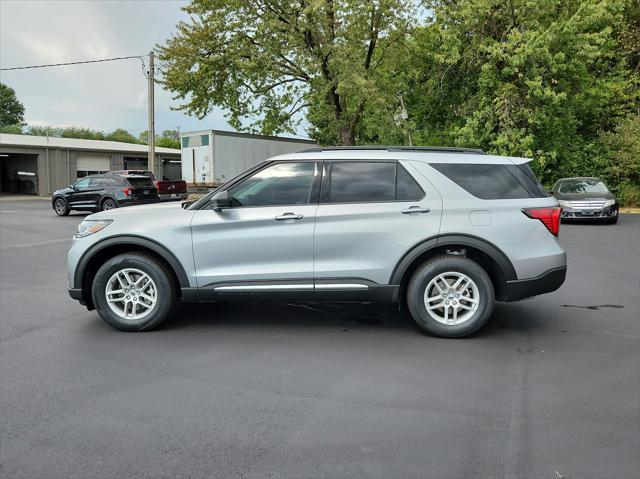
x=264 y=241
x=82 y=198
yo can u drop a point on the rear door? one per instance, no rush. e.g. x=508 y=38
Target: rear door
x=370 y=214
x=264 y=241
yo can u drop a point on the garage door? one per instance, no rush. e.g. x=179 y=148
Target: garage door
x=90 y=165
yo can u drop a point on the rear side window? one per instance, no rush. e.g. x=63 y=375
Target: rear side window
x=407 y=189
x=369 y=181
x=491 y=182
x=96 y=182
x=140 y=181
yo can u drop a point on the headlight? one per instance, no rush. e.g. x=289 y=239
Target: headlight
x=609 y=203
x=89 y=227
x=564 y=204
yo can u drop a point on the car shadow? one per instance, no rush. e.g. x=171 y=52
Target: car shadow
x=507 y=318
x=282 y=314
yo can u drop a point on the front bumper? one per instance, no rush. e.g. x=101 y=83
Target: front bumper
x=526 y=288
x=589 y=214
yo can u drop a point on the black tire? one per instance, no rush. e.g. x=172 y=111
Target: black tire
x=61 y=207
x=613 y=220
x=443 y=264
x=108 y=204
x=165 y=285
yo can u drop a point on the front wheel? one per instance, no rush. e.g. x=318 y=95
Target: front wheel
x=134 y=292
x=450 y=296
x=61 y=207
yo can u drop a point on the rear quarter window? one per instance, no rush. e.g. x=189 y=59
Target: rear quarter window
x=492 y=182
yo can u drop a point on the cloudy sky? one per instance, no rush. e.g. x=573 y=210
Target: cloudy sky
x=102 y=96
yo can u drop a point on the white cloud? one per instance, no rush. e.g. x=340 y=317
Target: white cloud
x=102 y=96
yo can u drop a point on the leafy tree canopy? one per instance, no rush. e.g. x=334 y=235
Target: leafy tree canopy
x=11 y=110
x=266 y=61
x=528 y=78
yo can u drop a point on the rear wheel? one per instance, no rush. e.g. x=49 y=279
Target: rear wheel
x=450 y=296
x=61 y=207
x=109 y=204
x=134 y=292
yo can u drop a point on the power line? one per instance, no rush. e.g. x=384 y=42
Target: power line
x=139 y=57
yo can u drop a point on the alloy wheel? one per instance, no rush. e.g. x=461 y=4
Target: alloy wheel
x=131 y=294
x=451 y=298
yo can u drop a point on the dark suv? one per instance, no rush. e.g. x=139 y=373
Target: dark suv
x=104 y=192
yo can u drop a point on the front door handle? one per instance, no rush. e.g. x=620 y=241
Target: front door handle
x=289 y=216
x=414 y=209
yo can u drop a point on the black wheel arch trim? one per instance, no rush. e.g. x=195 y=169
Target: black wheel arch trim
x=495 y=253
x=154 y=246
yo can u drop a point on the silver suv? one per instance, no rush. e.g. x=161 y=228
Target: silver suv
x=442 y=231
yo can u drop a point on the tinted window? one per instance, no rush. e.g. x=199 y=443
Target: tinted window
x=360 y=182
x=82 y=184
x=112 y=182
x=142 y=181
x=407 y=189
x=527 y=178
x=96 y=182
x=488 y=182
x=279 y=184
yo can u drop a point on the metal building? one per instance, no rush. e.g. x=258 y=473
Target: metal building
x=40 y=165
x=217 y=156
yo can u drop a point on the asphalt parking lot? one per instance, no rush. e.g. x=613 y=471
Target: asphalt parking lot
x=550 y=389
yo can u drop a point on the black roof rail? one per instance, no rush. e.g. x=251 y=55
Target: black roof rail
x=425 y=149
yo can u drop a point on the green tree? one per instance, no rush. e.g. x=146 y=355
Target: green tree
x=121 y=135
x=530 y=78
x=621 y=154
x=11 y=110
x=270 y=64
x=169 y=139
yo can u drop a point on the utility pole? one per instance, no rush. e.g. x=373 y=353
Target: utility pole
x=405 y=116
x=151 y=141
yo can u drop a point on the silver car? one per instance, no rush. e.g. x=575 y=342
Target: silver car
x=444 y=232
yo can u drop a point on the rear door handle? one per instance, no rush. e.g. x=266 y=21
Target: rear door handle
x=289 y=216
x=414 y=209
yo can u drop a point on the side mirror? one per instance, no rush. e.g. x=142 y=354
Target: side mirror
x=73 y=187
x=220 y=200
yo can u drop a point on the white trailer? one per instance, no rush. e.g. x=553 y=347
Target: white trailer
x=211 y=157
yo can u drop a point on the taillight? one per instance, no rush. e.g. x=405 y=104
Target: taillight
x=127 y=191
x=550 y=217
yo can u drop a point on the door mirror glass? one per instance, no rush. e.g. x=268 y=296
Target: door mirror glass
x=220 y=200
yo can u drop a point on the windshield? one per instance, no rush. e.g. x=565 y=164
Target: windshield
x=583 y=186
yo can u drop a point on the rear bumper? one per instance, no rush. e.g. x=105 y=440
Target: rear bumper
x=526 y=288
x=173 y=196
x=132 y=202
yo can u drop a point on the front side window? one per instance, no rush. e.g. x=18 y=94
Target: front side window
x=582 y=186
x=369 y=181
x=276 y=185
x=82 y=184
